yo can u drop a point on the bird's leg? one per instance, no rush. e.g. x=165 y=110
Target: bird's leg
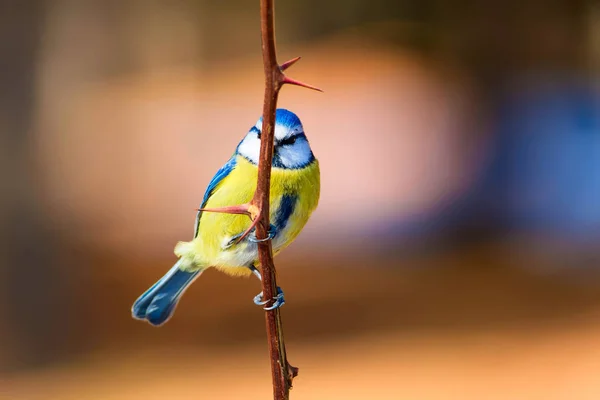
x=256 y=272
x=258 y=299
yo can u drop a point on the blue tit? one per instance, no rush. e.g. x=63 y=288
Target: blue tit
x=295 y=187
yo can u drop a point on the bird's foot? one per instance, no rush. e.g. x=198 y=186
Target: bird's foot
x=279 y=300
x=251 y=237
x=270 y=235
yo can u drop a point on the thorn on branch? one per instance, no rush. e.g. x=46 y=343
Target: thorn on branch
x=291 y=81
x=284 y=79
x=289 y=63
x=292 y=372
x=239 y=209
x=248 y=209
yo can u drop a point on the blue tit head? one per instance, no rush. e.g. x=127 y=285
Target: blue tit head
x=292 y=150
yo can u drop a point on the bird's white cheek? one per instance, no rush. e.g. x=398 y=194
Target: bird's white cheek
x=250 y=148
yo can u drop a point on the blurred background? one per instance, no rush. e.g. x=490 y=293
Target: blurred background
x=455 y=253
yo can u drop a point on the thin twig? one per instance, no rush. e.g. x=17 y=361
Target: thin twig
x=258 y=209
x=282 y=371
x=282 y=380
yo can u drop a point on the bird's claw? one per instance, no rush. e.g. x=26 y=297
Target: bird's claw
x=259 y=301
x=251 y=237
x=279 y=300
x=270 y=235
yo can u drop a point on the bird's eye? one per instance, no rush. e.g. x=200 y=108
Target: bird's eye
x=289 y=141
x=258 y=135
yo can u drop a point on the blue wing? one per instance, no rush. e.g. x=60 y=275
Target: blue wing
x=212 y=186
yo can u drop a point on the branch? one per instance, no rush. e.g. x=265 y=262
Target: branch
x=258 y=209
x=282 y=372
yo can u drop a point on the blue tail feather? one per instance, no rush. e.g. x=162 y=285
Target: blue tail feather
x=157 y=304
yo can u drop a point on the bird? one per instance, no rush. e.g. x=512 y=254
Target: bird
x=228 y=242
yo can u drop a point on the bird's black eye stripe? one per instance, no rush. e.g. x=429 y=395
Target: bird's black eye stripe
x=255 y=130
x=289 y=141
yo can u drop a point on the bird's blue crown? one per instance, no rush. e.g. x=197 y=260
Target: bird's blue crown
x=284 y=118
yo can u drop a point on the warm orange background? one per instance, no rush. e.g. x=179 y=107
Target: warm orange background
x=136 y=105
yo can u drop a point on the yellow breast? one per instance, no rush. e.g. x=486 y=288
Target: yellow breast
x=216 y=229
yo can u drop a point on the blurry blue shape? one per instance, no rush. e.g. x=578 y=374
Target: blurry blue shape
x=546 y=174
x=543 y=176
